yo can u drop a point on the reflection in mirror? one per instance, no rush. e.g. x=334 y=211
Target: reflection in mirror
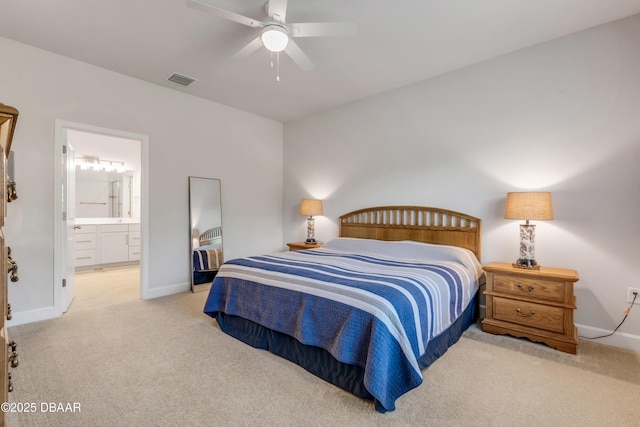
x=107 y=194
x=205 y=225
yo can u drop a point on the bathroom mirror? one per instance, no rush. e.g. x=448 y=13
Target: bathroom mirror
x=106 y=194
x=205 y=231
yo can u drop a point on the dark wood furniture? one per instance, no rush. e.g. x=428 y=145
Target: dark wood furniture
x=8 y=354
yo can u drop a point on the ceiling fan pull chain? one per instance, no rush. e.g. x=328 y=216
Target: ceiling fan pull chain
x=271 y=59
x=278 y=66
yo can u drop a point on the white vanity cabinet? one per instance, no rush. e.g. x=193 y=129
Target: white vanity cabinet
x=86 y=237
x=99 y=245
x=134 y=242
x=114 y=245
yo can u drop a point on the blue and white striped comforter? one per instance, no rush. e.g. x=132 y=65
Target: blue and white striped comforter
x=366 y=309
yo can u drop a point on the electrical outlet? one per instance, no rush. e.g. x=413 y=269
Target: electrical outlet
x=630 y=295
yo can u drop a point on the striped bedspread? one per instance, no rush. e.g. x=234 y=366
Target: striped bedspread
x=207 y=259
x=366 y=309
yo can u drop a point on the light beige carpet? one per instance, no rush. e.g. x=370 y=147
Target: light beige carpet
x=163 y=363
x=95 y=289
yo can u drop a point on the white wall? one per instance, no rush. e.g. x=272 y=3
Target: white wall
x=187 y=136
x=563 y=116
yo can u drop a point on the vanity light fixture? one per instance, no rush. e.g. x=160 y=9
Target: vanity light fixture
x=528 y=206
x=310 y=208
x=97 y=164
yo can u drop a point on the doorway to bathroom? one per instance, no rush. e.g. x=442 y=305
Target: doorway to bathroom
x=100 y=236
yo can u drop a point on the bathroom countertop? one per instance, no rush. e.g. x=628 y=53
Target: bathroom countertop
x=87 y=221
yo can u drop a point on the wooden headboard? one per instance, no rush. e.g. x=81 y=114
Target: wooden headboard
x=212 y=236
x=421 y=224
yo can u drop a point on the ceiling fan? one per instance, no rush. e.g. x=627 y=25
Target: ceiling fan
x=276 y=33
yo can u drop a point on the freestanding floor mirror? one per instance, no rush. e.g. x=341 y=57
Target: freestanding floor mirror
x=205 y=231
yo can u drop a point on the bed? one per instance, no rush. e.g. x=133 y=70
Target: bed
x=207 y=257
x=370 y=309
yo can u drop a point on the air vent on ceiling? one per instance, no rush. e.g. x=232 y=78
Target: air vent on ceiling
x=181 y=79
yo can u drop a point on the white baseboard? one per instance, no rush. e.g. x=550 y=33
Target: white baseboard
x=21 y=318
x=103 y=266
x=152 y=293
x=619 y=339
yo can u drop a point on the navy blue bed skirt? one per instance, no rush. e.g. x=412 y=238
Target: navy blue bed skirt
x=200 y=277
x=321 y=363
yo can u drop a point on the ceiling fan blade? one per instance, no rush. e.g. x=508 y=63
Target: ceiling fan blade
x=253 y=45
x=323 y=29
x=205 y=6
x=298 y=56
x=277 y=7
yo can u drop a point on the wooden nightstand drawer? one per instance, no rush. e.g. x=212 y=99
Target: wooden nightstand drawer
x=532 y=289
x=538 y=316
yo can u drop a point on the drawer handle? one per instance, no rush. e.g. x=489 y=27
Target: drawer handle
x=528 y=289
x=521 y=314
x=13 y=358
x=12 y=266
x=11 y=191
x=83 y=257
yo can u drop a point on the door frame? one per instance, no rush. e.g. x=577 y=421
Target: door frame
x=59 y=230
x=69 y=198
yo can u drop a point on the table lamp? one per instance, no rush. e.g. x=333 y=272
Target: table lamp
x=528 y=206
x=310 y=208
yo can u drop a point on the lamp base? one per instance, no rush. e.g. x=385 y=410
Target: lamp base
x=529 y=264
x=311 y=235
x=527 y=248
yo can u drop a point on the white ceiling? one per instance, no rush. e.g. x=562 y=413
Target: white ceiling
x=398 y=43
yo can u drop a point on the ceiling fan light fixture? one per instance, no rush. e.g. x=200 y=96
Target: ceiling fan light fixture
x=275 y=37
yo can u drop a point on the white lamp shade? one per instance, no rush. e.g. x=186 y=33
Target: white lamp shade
x=275 y=38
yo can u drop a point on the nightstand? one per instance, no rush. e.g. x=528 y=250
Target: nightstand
x=534 y=304
x=298 y=246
